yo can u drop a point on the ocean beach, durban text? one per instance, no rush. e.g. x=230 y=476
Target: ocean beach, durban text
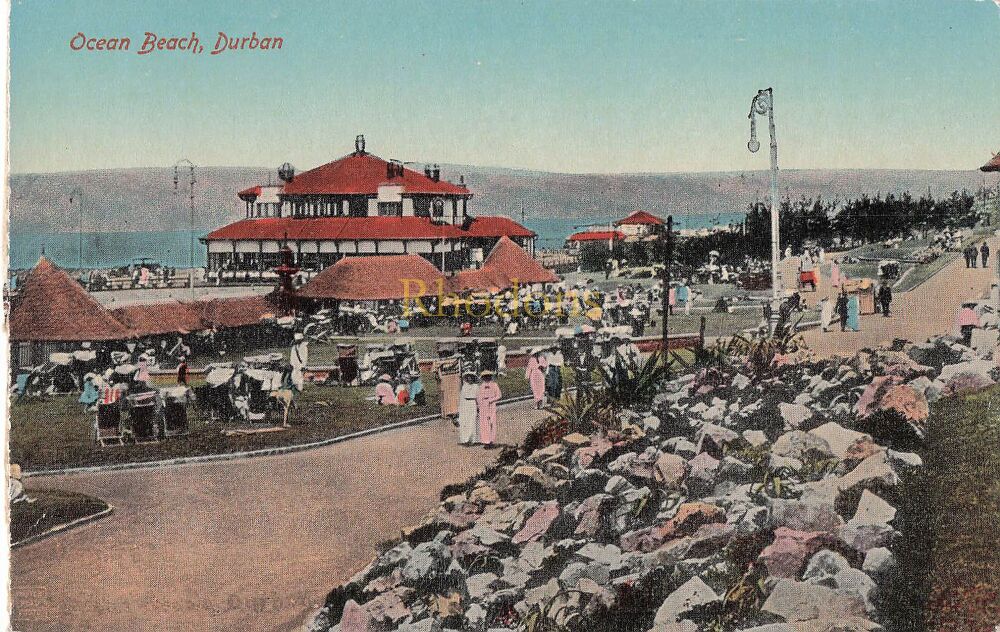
x=153 y=43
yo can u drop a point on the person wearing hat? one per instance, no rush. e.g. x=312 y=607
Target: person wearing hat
x=449 y=379
x=298 y=357
x=182 y=371
x=467 y=410
x=385 y=394
x=553 y=376
x=534 y=372
x=89 y=393
x=486 y=402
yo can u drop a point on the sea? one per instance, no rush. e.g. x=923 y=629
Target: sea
x=173 y=248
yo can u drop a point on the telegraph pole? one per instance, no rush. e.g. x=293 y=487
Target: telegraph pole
x=668 y=256
x=184 y=162
x=77 y=193
x=763 y=104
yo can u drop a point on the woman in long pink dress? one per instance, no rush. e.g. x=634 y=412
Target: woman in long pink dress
x=486 y=401
x=535 y=374
x=835 y=274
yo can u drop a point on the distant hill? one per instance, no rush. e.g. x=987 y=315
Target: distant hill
x=144 y=199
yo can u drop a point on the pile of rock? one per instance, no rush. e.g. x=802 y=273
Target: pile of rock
x=736 y=504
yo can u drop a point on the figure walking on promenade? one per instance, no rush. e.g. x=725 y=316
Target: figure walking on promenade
x=449 y=377
x=825 y=313
x=842 y=309
x=984 y=250
x=298 y=358
x=553 y=377
x=486 y=401
x=534 y=372
x=885 y=298
x=467 y=434
x=853 y=313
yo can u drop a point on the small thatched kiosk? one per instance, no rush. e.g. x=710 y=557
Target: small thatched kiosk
x=52 y=312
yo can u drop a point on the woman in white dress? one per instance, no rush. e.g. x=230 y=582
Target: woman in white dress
x=825 y=313
x=468 y=411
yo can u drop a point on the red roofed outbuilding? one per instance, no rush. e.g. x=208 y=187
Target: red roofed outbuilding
x=607 y=237
x=640 y=218
x=51 y=307
x=992 y=165
x=390 y=277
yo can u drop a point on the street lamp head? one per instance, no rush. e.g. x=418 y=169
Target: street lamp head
x=753 y=145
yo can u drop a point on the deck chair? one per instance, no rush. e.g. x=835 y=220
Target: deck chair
x=108 y=424
x=173 y=414
x=143 y=418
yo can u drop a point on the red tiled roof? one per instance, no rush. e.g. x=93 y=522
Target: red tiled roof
x=53 y=307
x=506 y=263
x=482 y=279
x=641 y=217
x=182 y=317
x=992 y=165
x=160 y=318
x=251 y=192
x=362 y=174
x=496 y=226
x=375 y=278
x=596 y=235
x=237 y=311
x=345 y=228
x=514 y=263
x=364 y=228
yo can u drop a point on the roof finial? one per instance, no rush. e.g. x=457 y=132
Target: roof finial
x=359 y=144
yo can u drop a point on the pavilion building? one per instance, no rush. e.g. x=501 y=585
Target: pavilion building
x=639 y=226
x=357 y=205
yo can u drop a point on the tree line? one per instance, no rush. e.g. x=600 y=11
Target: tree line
x=806 y=221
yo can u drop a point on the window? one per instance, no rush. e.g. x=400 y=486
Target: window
x=422 y=206
x=358 y=206
x=394 y=209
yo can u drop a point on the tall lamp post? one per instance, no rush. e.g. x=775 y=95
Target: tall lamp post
x=184 y=162
x=77 y=194
x=763 y=104
x=993 y=166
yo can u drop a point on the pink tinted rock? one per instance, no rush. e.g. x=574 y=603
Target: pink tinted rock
x=538 y=524
x=787 y=555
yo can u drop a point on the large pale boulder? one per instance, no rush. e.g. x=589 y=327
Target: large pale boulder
x=670 y=470
x=838 y=438
x=691 y=594
x=794 y=415
x=801 y=445
x=873 y=510
x=798 y=601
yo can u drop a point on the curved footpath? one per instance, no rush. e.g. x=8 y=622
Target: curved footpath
x=249 y=544
x=256 y=544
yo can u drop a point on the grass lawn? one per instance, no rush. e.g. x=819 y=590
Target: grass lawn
x=56 y=432
x=950 y=521
x=911 y=275
x=51 y=508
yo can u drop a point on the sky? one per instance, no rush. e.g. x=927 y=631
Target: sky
x=567 y=86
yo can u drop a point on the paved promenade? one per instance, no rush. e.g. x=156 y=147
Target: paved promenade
x=252 y=544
